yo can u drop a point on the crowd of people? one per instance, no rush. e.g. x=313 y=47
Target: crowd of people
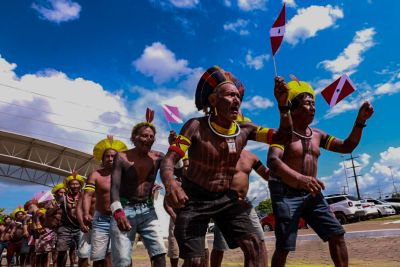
x=205 y=173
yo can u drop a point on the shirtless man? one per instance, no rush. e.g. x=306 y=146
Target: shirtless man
x=58 y=192
x=68 y=233
x=97 y=188
x=240 y=183
x=18 y=231
x=214 y=144
x=295 y=190
x=132 y=181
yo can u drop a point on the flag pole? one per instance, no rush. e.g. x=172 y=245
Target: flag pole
x=273 y=59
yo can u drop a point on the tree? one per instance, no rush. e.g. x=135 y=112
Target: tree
x=265 y=206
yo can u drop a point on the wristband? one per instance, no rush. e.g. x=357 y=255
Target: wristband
x=285 y=109
x=116 y=205
x=120 y=213
x=360 y=125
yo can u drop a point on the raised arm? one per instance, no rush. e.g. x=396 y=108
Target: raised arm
x=284 y=133
x=289 y=176
x=350 y=143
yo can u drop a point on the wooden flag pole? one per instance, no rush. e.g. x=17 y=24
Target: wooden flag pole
x=273 y=59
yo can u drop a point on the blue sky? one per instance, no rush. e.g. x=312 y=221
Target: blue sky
x=106 y=61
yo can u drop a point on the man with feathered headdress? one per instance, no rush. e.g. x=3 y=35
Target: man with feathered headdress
x=214 y=143
x=132 y=181
x=68 y=234
x=97 y=188
x=295 y=190
x=18 y=236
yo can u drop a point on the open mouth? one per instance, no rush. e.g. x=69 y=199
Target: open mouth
x=235 y=110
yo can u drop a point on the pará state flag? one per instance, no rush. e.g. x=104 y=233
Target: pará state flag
x=278 y=30
x=172 y=114
x=338 y=90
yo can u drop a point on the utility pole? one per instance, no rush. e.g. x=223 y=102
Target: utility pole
x=394 y=185
x=355 y=174
x=345 y=173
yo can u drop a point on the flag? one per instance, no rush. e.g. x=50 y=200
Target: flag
x=172 y=114
x=338 y=90
x=43 y=196
x=278 y=30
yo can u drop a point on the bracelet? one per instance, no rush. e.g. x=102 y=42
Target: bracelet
x=360 y=125
x=120 y=213
x=285 y=109
x=116 y=205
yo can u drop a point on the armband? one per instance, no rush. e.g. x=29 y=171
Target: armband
x=90 y=186
x=264 y=135
x=278 y=146
x=116 y=205
x=257 y=165
x=285 y=109
x=119 y=214
x=326 y=142
x=180 y=145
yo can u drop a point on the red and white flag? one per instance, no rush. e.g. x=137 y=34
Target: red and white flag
x=172 y=114
x=338 y=90
x=278 y=30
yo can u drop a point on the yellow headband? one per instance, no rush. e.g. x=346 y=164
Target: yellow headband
x=57 y=187
x=298 y=87
x=105 y=144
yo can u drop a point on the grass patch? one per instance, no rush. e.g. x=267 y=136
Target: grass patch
x=388 y=218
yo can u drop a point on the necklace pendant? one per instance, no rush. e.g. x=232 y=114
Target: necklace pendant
x=231 y=145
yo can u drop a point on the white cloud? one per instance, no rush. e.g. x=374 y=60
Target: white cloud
x=290 y=3
x=256 y=103
x=256 y=62
x=351 y=57
x=58 y=10
x=388 y=88
x=160 y=63
x=258 y=189
x=388 y=158
x=249 y=5
x=309 y=21
x=238 y=26
x=184 y=3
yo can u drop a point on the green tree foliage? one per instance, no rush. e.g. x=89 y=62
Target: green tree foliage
x=265 y=206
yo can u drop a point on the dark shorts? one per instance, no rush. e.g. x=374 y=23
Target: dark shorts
x=67 y=238
x=192 y=220
x=289 y=205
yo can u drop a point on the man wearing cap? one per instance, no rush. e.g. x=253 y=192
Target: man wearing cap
x=295 y=190
x=68 y=234
x=132 y=179
x=59 y=191
x=98 y=187
x=214 y=144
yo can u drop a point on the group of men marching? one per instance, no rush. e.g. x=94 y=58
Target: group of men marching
x=206 y=176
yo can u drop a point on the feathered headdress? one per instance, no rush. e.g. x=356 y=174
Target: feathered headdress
x=297 y=87
x=19 y=209
x=148 y=123
x=58 y=187
x=74 y=176
x=105 y=144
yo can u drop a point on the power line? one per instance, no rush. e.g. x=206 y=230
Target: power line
x=57 y=114
x=65 y=101
x=59 y=124
x=18 y=131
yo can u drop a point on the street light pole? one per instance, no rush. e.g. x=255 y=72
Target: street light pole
x=394 y=185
